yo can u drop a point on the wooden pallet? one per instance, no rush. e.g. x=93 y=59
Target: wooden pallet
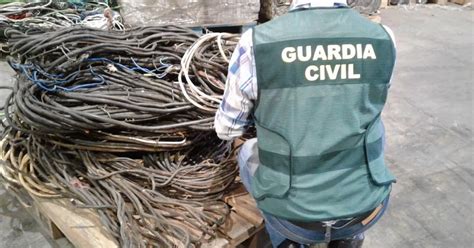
x=243 y=222
x=83 y=228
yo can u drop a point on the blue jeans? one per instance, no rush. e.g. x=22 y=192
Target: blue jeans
x=279 y=229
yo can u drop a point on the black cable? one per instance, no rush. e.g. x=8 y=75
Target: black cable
x=97 y=116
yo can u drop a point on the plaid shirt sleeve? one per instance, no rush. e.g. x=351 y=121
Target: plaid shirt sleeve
x=240 y=92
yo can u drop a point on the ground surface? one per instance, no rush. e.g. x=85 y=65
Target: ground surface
x=429 y=122
x=430 y=145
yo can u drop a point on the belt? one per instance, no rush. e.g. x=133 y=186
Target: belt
x=321 y=226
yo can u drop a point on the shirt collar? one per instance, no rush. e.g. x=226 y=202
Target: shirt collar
x=303 y=4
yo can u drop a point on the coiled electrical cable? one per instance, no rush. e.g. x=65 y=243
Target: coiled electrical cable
x=45 y=16
x=105 y=119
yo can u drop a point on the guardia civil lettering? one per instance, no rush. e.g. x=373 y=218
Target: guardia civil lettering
x=321 y=72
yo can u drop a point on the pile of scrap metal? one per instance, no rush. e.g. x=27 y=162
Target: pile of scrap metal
x=33 y=16
x=122 y=122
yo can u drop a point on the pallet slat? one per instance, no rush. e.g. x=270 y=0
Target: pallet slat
x=221 y=242
x=82 y=227
x=245 y=206
x=237 y=227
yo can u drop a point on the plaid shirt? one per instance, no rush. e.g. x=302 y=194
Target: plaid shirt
x=241 y=87
x=240 y=91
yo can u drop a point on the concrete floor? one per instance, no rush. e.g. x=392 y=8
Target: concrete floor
x=429 y=122
x=430 y=145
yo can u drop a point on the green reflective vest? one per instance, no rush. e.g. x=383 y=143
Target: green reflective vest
x=323 y=77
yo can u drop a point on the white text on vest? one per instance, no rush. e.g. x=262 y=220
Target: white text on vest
x=329 y=53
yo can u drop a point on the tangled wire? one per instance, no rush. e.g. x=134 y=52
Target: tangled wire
x=43 y=16
x=121 y=122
